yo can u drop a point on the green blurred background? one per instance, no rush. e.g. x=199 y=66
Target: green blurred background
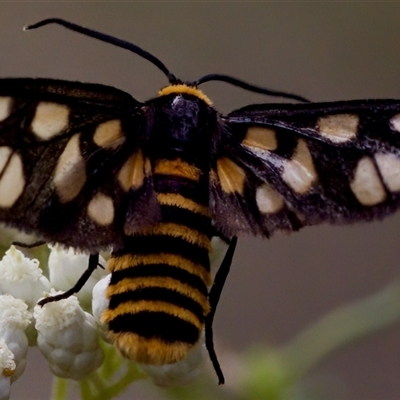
x=323 y=51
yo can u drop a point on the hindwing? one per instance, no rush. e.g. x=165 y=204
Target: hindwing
x=284 y=166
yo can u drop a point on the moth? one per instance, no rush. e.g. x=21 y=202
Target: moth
x=90 y=167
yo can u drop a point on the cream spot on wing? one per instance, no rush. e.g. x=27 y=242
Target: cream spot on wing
x=339 y=128
x=299 y=173
x=109 y=134
x=260 y=138
x=132 y=173
x=51 y=119
x=395 y=122
x=268 y=200
x=101 y=209
x=12 y=179
x=230 y=175
x=366 y=184
x=5 y=107
x=70 y=172
x=389 y=167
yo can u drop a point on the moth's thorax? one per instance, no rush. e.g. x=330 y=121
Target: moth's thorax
x=181 y=125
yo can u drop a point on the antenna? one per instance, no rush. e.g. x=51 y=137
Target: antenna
x=108 y=39
x=247 y=86
x=154 y=60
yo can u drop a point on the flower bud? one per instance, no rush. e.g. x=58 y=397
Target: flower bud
x=21 y=277
x=15 y=318
x=68 y=338
x=7 y=368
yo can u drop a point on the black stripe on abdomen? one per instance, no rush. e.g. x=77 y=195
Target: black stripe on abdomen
x=167 y=245
x=160 y=270
x=158 y=294
x=146 y=323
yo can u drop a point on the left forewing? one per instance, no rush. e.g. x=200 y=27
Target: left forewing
x=71 y=170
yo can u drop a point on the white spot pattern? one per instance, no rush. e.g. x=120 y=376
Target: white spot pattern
x=12 y=179
x=51 y=119
x=389 y=167
x=5 y=107
x=338 y=128
x=101 y=209
x=70 y=172
x=268 y=200
x=366 y=184
x=299 y=173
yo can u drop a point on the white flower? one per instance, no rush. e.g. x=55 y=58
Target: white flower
x=7 y=369
x=15 y=318
x=7 y=363
x=68 y=338
x=100 y=303
x=67 y=266
x=21 y=277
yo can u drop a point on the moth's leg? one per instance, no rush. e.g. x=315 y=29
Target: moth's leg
x=30 y=245
x=93 y=263
x=213 y=298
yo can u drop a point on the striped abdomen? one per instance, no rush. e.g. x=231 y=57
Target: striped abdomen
x=159 y=285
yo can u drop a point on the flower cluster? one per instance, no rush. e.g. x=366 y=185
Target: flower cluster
x=67 y=331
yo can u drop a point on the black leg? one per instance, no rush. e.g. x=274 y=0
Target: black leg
x=213 y=298
x=30 y=245
x=93 y=263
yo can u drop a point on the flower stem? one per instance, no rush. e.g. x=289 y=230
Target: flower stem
x=60 y=389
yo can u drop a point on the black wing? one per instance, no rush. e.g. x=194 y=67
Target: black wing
x=71 y=169
x=284 y=166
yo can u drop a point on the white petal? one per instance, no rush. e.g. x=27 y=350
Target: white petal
x=68 y=338
x=21 y=277
x=67 y=266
